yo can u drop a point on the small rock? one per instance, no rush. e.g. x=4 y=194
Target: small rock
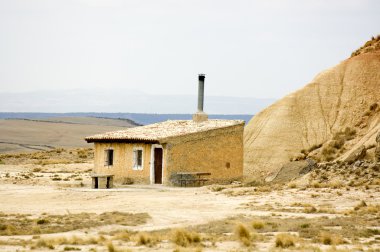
x=236 y=183
x=357 y=164
x=357 y=154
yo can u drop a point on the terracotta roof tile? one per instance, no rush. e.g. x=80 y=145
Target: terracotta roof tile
x=158 y=131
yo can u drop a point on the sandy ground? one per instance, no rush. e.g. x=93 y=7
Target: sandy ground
x=27 y=190
x=168 y=207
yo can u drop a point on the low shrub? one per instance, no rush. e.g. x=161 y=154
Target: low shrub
x=42 y=221
x=124 y=236
x=144 y=239
x=257 y=224
x=310 y=209
x=360 y=205
x=111 y=247
x=285 y=240
x=292 y=185
x=305 y=225
x=243 y=234
x=42 y=243
x=330 y=239
x=67 y=248
x=185 y=238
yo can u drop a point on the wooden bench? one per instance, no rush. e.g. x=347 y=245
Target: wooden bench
x=102 y=181
x=199 y=180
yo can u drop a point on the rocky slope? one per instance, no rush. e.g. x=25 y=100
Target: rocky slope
x=331 y=118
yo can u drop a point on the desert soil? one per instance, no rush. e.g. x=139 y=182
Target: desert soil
x=213 y=212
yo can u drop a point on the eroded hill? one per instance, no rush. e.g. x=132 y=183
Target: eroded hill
x=332 y=117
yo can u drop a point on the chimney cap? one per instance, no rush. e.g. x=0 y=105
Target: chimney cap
x=201 y=75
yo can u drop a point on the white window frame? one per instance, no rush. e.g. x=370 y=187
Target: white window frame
x=134 y=159
x=106 y=157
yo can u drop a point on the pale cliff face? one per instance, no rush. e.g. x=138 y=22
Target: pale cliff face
x=335 y=99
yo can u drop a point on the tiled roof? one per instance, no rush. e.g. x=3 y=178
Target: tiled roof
x=158 y=131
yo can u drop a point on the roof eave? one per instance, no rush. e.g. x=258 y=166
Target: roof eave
x=150 y=141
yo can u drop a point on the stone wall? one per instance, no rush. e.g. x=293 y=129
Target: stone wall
x=219 y=152
x=123 y=162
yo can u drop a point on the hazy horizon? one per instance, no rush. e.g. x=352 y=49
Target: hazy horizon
x=123 y=100
x=258 y=49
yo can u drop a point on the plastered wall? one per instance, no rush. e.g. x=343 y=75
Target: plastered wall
x=123 y=161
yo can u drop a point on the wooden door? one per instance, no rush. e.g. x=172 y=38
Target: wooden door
x=158 y=166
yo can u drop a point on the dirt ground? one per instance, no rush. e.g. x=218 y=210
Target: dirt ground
x=209 y=218
x=168 y=206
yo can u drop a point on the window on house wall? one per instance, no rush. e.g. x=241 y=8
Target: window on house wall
x=137 y=158
x=108 y=157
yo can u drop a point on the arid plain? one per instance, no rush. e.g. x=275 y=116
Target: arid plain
x=47 y=204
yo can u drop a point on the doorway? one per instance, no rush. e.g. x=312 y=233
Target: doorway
x=96 y=184
x=158 y=165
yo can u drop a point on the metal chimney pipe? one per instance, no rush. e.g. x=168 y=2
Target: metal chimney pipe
x=201 y=89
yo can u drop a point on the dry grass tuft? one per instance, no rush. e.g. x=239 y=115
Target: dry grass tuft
x=68 y=248
x=243 y=234
x=307 y=208
x=334 y=147
x=21 y=224
x=360 y=205
x=364 y=209
x=285 y=240
x=123 y=236
x=292 y=185
x=185 y=238
x=330 y=239
x=44 y=244
x=369 y=46
x=310 y=209
x=74 y=240
x=55 y=156
x=258 y=224
x=111 y=247
x=147 y=239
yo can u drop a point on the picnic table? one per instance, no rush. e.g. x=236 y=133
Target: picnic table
x=196 y=177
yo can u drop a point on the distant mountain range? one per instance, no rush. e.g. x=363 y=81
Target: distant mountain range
x=124 y=100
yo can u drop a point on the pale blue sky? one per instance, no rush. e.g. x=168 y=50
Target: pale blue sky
x=246 y=48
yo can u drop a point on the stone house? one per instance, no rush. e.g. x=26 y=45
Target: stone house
x=155 y=153
x=160 y=152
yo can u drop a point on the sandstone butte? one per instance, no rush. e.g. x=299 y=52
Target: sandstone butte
x=336 y=98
